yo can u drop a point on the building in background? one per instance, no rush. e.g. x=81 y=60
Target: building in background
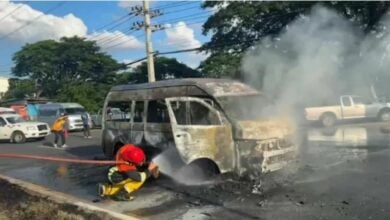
x=3 y=86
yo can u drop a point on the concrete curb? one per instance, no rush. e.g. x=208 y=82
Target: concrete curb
x=63 y=198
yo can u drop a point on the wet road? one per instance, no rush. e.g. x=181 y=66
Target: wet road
x=343 y=173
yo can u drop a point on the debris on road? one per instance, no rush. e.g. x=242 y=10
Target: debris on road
x=15 y=203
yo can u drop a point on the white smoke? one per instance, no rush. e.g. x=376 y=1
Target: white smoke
x=319 y=56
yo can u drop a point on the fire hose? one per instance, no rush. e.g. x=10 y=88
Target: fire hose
x=155 y=172
x=60 y=159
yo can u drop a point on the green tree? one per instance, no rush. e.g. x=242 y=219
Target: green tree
x=20 y=88
x=238 y=26
x=63 y=63
x=165 y=68
x=90 y=95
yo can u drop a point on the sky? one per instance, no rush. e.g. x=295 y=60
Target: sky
x=107 y=22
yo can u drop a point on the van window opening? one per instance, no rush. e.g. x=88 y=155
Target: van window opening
x=244 y=107
x=194 y=113
x=157 y=112
x=118 y=111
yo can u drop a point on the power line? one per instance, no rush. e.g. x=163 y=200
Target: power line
x=111 y=28
x=31 y=21
x=175 y=5
x=113 y=22
x=11 y=12
x=181 y=18
x=123 y=42
x=117 y=37
x=180 y=10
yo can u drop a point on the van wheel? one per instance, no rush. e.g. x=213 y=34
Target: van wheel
x=18 y=137
x=197 y=172
x=384 y=115
x=328 y=120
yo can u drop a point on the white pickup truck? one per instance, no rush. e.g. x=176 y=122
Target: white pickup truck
x=350 y=107
x=15 y=129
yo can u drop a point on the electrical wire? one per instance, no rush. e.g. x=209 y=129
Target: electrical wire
x=182 y=17
x=111 y=28
x=175 y=4
x=117 y=37
x=181 y=10
x=123 y=42
x=11 y=12
x=31 y=21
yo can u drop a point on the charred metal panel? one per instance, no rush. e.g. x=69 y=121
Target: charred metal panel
x=212 y=142
x=111 y=137
x=232 y=88
x=263 y=129
x=159 y=135
x=156 y=93
x=265 y=156
x=137 y=133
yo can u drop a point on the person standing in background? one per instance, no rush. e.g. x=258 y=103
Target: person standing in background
x=86 y=130
x=59 y=129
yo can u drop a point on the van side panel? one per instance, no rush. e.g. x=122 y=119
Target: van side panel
x=115 y=133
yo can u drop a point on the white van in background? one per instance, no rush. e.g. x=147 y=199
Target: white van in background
x=50 y=111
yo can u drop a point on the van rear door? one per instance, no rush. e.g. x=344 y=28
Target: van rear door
x=201 y=132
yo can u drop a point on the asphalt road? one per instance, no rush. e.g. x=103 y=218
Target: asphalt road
x=342 y=173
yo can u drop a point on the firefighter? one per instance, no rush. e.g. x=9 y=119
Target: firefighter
x=127 y=176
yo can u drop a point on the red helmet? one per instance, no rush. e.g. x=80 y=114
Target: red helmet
x=134 y=154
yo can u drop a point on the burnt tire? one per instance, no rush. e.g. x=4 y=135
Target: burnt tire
x=18 y=137
x=384 y=115
x=328 y=119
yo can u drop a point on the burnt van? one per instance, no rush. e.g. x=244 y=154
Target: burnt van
x=217 y=122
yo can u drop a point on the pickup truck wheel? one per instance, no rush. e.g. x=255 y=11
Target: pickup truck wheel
x=328 y=120
x=384 y=116
x=18 y=137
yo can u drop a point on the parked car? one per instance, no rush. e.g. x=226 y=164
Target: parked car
x=349 y=107
x=49 y=112
x=14 y=128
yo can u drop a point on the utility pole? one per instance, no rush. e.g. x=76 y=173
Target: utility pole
x=148 y=38
x=149 y=28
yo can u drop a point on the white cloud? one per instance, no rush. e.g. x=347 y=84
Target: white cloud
x=116 y=40
x=181 y=36
x=45 y=27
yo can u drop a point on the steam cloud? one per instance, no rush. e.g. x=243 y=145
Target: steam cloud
x=319 y=56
